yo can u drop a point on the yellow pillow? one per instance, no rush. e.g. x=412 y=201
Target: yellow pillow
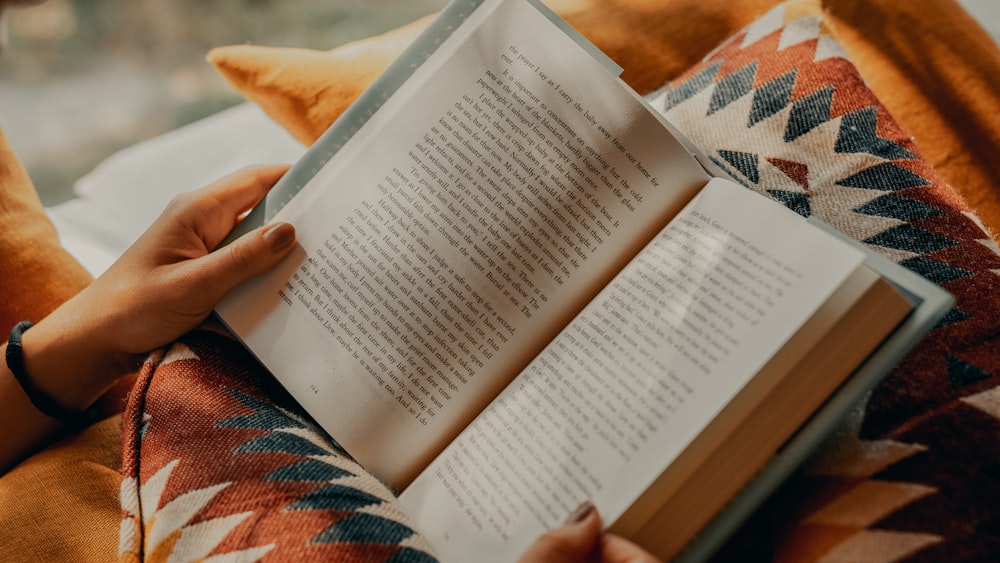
x=37 y=273
x=928 y=62
x=305 y=90
x=61 y=504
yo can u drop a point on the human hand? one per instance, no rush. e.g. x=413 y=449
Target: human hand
x=163 y=286
x=581 y=539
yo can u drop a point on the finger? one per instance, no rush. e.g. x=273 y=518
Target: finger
x=575 y=541
x=250 y=255
x=244 y=188
x=226 y=200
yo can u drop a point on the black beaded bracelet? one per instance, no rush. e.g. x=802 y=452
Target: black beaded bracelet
x=43 y=402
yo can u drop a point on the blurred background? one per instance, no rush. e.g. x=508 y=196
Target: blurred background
x=81 y=79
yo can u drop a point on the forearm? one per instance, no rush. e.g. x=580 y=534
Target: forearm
x=78 y=352
x=163 y=286
x=62 y=361
x=26 y=429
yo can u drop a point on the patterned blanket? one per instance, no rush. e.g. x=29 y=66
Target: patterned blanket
x=218 y=460
x=914 y=471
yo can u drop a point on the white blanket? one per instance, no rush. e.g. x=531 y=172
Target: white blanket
x=120 y=198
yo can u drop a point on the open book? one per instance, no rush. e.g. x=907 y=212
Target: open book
x=516 y=289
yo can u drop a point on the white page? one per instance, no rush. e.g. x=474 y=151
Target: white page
x=395 y=323
x=633 y=380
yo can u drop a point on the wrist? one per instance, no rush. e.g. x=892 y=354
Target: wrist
x=70 y=365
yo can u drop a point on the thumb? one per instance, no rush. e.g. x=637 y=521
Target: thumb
x=250 y=255
x=575 y=541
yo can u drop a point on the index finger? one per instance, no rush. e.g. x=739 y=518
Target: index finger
x=238 y=192
x=220 y=206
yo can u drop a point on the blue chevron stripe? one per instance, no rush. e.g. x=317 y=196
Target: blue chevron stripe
x=962 y=373
x=309 y=470
x=772 y=97
x=953 y=316
x=265 y=416
x=282 y=442
x=898 y=207
x=744 y=162
x=146 y=419
x=809 y=113
x=935 y=271
x=336 y=497
x=364 y=528
x=732 y=88
x=797 y=202
x=858 y=134
x=886 y=177
x=911 y=239
x=692 y=86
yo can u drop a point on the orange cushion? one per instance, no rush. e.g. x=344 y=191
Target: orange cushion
x=305 y=90
x=936 y=70
x=61 y=504
x=37 y=273
x=929 y=62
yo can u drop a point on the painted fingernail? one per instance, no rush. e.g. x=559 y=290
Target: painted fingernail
x=279 y=236
x=581 y=513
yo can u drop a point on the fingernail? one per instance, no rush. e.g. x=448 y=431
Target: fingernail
x=581 y=513
x=279 y=236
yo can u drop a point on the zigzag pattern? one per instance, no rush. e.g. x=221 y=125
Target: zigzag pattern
x=268 y=484
x=781 y=110
x=343 y=489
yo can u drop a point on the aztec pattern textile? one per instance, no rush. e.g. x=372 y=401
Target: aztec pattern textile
x=219 y=466
x=915 y=472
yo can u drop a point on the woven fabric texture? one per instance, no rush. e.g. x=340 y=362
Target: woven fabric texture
x=219 y=461
x=913 y=472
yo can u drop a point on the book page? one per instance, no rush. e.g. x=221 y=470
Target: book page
x=635 y=377
x=462 y=227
